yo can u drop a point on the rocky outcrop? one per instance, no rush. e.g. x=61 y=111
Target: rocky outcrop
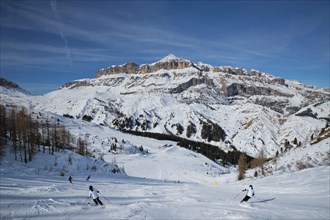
x=11 y=85
x=307 y=113
x=74 y=84
x=277 y=106
x=171 y=62
x=212 y=132
x=255 y=73
x=8 y=84
x=279 y=81
x=129 y=68
x=191 y=130
x=237 y=71
x=230 y=70
x=184 y=86
x=239 y=89
x=145 y=68
x=192 y=82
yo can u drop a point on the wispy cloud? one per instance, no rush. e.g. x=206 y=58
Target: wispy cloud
x=111 y=32
x=53 y=4
x=102 y=36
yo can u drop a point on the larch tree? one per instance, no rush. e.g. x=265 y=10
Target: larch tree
x=242 y=166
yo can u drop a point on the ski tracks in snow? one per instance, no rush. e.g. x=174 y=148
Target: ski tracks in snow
x=138 y=198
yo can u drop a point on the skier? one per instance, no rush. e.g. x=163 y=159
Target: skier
x=70 y=179
x=89 y=176
x=249 y=194
x=93 y=194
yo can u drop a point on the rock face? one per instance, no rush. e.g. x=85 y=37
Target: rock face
x=230 y=70
x=8 y=84
x=11 y=85
x=173 y=64
x=169 y=62
x=212 y=132
x=129 y=68
x=240 y=89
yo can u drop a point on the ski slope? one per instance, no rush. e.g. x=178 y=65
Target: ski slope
x=163 y=182
x=35 y=192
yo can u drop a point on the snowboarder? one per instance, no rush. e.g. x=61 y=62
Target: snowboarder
x=93 y=194
x=249 y=194
x=70 y=179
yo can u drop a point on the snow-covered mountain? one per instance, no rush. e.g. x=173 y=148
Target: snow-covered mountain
x=228 y=107
x=232 y=108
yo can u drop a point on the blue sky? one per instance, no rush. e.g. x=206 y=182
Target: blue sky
x=45 y=44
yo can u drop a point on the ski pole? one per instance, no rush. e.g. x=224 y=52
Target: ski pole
x=237 y=195
x=104 y=197
x=86 y=201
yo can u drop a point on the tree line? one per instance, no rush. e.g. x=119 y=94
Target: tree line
x=31 y=133
x=210 y=151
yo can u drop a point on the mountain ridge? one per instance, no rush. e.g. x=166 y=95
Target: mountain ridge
x=172 y=62
x=227 y=107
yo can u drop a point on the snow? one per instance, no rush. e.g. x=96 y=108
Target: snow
x=27 y=194
x=165 y=181
x=169 y=58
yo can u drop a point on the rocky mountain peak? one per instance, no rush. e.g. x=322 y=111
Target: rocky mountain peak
x=168 y=62
x=11 y=85
x=170 y=58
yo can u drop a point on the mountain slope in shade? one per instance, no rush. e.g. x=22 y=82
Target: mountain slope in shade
x=6 y=85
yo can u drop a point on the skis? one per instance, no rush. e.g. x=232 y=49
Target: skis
x=90 y=204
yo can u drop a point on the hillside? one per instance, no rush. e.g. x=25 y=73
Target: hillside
x=158 y=179
x=231 y=108
x=228 y=107
x=180 y=189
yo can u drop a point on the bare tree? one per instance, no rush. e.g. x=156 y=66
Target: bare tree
x=3 y=130
x=3 y=121
x=242 y=166
x=46 y=133
x=22 y=131
x=81 y=146
x=32 y=137
x=12 y=129
x=260 y=161
x=65 y=138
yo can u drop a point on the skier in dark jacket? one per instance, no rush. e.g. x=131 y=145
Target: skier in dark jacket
x=70 y=179
x=249 y=194
x=93 y=194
